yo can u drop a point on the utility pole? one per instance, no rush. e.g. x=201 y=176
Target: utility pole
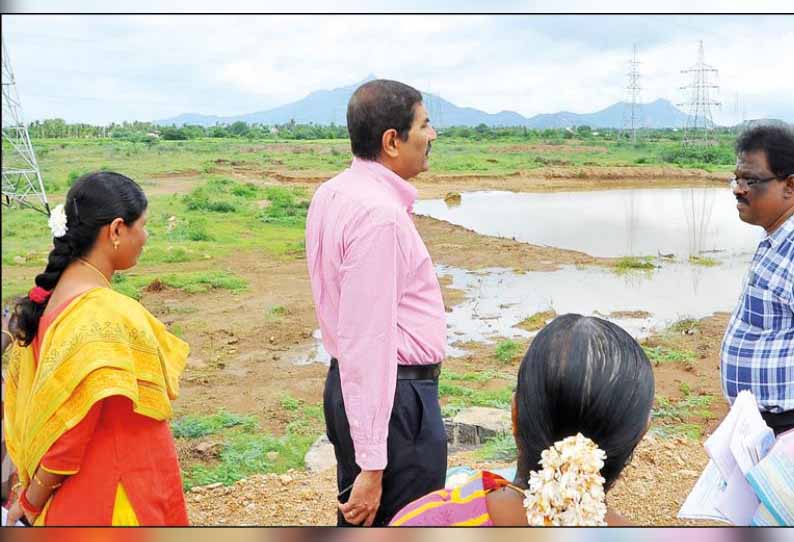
x=699 y=123
x=22 y=184
x=632 y=110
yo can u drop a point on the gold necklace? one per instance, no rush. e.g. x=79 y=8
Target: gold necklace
x=100 y=273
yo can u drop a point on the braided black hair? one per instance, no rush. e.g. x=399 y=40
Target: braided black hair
x=95 y=200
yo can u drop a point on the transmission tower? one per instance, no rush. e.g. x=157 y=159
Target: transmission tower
x=699 y=124
x=632 y=110
x=22 y=184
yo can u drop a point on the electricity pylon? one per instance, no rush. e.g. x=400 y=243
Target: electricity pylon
x=632 y=110
x=22 y=184
x=699 y=123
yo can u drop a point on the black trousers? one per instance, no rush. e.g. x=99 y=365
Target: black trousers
x=416 y=446
x=780 y=423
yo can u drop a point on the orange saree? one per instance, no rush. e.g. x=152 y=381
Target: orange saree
x=106 y=425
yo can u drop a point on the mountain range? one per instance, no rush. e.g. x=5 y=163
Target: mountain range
x=330 y=106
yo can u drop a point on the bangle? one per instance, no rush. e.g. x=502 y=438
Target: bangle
x=42 y=484
x=26 y=506
x=10 y=335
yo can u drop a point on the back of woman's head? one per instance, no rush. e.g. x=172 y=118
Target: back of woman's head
x=95 y=200
x=582 y=375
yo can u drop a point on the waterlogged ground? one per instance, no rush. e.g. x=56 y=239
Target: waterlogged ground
x=224 y=269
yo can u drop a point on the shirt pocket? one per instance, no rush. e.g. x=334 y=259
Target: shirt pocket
x=764 y=309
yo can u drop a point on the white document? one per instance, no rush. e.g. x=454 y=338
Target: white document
x=738 y=502
x=701 y=502
x=736 y=446
x=740 y=421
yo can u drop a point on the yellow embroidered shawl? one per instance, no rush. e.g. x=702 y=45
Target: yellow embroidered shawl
x=104 y=343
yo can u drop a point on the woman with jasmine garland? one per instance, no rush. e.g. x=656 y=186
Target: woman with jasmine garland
x=92 y=375
x=582 y=404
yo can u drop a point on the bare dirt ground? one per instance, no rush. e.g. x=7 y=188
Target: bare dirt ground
x=243 y=357
x=234 y=340
x=301 y=498
x=544 y=179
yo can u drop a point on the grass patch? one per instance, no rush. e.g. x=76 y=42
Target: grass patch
x=691 y=431
x=703 y=261
x=245 y=454
x=220 y=196
x=193 y=282
x=685 y=325
x=192 y=427
x=170 y=254
x=507 y=350
x=537 y=321
x=634 y=263
x=462 y=396
x=681 y=411
x=277 y=311
x=287 y=207
x=203 y=281
x=483 y=376
x=499 y=448
x=661 y=354
x=290 y=403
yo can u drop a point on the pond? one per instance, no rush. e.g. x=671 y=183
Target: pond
x=645 y=222
x=610 y=223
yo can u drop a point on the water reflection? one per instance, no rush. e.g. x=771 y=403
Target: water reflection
x=497 y=299
x=645 y=222
x=642 y=303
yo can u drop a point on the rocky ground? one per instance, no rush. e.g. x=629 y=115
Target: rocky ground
x=650 y=492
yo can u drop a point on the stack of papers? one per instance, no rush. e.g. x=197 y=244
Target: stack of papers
x=722 y=492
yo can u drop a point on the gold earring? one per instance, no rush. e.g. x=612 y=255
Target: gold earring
x=115 y=244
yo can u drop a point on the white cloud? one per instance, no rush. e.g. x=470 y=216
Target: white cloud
x=103 y=68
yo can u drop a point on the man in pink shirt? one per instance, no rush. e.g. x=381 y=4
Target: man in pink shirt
x=379 y=306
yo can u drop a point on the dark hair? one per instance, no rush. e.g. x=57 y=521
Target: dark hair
x=776 y=141
x=96 y=199
x=582 y=375
x=377 y=106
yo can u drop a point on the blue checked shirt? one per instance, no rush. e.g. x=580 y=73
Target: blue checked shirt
x=758 y=347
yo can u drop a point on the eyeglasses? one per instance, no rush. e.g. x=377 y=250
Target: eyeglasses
x=747 y=183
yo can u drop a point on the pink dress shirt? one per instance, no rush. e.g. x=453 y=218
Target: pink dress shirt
x=375 y=292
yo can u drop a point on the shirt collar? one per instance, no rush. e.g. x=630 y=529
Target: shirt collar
x=402 y=189
x=784 y=231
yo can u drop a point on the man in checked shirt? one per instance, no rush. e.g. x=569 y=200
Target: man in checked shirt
x=758 y=347
x=379 y=306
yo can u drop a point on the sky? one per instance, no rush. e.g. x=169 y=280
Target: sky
x=115 y=67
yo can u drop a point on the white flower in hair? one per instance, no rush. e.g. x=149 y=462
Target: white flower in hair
x=569 y=490
x=57 y=221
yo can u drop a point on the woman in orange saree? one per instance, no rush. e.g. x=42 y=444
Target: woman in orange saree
x=92 y=376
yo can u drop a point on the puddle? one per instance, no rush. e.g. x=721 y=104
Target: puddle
x=612 y=223
x=654 y=222
x=640 y=302
x=313 y=352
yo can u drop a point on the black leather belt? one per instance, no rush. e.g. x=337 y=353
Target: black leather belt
x=410 y=372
